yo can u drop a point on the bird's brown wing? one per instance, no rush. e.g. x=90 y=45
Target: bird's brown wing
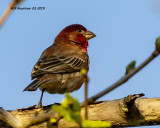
x=61 y=64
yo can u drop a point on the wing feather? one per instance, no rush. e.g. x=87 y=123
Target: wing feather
x=62 y=64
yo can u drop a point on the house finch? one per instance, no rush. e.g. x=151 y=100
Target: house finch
x=58 y=68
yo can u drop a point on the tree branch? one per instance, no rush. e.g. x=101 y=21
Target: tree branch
x=142 y=112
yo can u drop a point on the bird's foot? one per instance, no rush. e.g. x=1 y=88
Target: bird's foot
x=40 y=105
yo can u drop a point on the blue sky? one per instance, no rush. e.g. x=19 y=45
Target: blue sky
x=126 y=31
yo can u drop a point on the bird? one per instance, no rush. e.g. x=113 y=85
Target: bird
x=58 y=68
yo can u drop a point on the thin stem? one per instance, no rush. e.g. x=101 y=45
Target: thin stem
x=86 y=97
x=124 y=79
x=7 y=12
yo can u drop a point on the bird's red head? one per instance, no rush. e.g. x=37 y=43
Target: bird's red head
x=77 y=35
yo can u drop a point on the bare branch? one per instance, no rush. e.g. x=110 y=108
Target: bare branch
x=123 y=79
x=8 y=11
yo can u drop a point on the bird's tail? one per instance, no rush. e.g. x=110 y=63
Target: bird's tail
x=32 y=86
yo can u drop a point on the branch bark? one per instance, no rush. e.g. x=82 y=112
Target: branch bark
x=144 y=111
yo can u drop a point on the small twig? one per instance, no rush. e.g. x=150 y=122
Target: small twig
x=86 y=97
x=124 y=79
x=85 y=79
x=8 y=11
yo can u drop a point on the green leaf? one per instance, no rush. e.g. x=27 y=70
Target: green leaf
x=59 y=109
x=53 y=120
x=71 y=103
x=95 y=124
x=70 y=109
x=130 y=67
x=84 y=72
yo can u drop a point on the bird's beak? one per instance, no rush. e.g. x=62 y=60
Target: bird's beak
x=89 y=35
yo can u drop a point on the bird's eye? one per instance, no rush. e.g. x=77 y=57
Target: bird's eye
x=79 y=30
